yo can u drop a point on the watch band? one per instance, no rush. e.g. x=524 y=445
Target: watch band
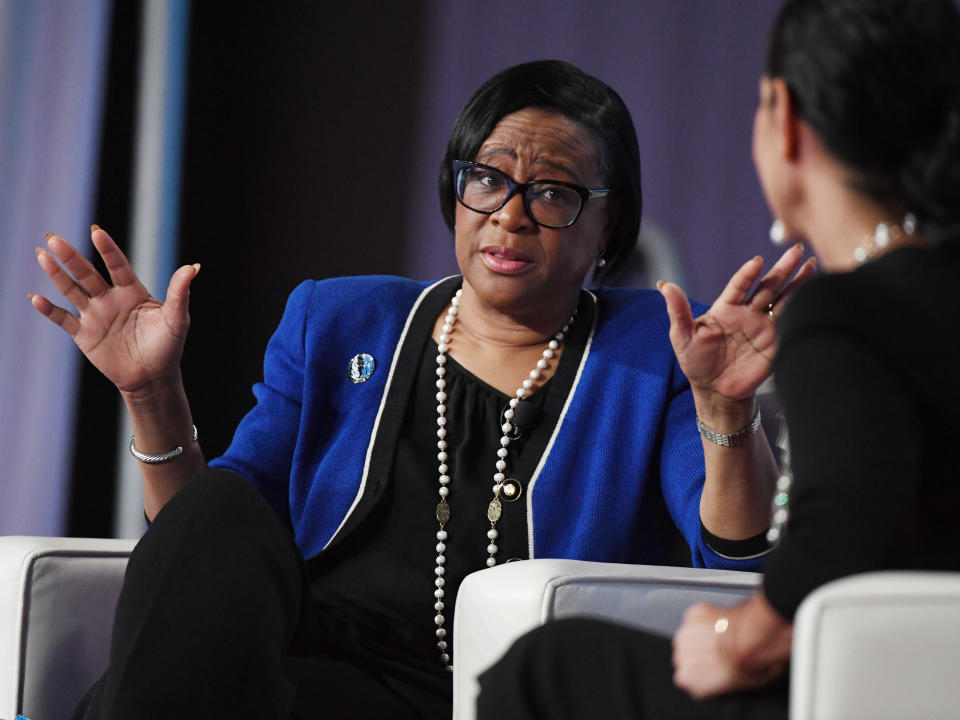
x=732 y=439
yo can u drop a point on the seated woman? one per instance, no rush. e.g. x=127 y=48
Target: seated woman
x=406 y=434
x=857 y=146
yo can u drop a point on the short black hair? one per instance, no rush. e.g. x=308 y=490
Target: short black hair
x=878 y=81
x=560 y=87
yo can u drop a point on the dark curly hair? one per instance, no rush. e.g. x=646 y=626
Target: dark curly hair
x=878 y=81
x=565 y=89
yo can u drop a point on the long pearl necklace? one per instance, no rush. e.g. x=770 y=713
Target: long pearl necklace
x=780 y=505
x=495 y=508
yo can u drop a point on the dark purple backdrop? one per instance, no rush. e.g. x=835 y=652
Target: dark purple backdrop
x=313 y=134
x=688 y=71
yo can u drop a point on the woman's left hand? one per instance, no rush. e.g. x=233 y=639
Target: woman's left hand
x=704 y=661
x=729 y=350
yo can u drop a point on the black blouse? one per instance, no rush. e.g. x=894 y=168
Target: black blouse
x=379 y=585
x=867 y=373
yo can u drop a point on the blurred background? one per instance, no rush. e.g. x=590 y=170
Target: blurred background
x=272 y=142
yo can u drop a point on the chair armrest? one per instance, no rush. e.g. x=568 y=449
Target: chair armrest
x=878 y=645
x=57 y=599
x=498 y=605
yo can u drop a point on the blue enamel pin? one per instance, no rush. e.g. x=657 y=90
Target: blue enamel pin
x=361 y=367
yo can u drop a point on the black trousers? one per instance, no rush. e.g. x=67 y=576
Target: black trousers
x=588 y=669
x=215 y=620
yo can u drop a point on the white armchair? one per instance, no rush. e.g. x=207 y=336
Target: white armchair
x=498 y=605
x=881 y=645
x=57 y=598
x=878 y=645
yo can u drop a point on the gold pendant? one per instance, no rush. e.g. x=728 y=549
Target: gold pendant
x=493 y=510
x=511 y=490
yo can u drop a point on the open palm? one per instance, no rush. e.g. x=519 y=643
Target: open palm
x=730 y=349
x=133 y=339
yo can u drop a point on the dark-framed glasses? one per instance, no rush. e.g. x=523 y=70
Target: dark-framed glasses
x=550 y=203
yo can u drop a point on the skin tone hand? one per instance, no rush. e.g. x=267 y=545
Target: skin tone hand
x=728 y=351
x=136 y=342
x=722 y=650
x=132 y=338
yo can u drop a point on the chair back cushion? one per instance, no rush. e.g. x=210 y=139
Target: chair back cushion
x=57 y=599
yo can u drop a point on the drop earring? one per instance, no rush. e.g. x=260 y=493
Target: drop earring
x=778 y=232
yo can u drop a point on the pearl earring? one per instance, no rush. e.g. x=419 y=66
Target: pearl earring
x=778 y=232
x=601 y=261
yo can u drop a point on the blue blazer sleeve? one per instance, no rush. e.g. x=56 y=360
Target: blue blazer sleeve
x=264 y=442
x=682 y=473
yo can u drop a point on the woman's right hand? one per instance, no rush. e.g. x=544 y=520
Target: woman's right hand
x=133 y=339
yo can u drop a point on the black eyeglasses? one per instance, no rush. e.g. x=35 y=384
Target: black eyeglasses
x=550 y=203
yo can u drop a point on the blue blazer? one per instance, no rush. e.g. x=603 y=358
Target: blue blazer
x=624 y=461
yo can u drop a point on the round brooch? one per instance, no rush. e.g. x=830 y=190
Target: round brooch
x=361 y=367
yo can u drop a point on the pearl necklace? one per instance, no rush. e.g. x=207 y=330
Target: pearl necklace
x=882 y=236
x=780 y=504
x=495 y=508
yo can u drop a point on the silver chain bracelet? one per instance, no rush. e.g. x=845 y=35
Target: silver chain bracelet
x=733 y=439
x=162 y=457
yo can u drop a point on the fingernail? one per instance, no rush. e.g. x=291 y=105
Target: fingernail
x=30 y=297
x=94 y=228
x=48 y=236
x=798 y=246
x=812 y=261
x=38 y=251
x=660 y=284
x=196 y=269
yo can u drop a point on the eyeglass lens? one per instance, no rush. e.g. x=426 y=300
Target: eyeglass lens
x=485 y=190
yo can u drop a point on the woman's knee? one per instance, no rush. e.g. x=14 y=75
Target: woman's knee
x=222 y=496
x=219 y=536
x=219 y=519
x=529 y=667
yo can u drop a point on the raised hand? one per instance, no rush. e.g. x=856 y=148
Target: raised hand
x=729 y=350
x=133 y=339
